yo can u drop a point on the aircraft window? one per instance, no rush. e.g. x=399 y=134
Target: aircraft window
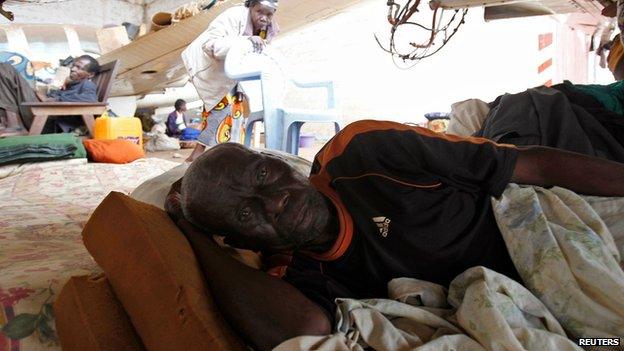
x=88 y=40
x=47 y=43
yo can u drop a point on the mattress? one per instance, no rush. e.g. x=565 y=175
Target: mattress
x=43 y=208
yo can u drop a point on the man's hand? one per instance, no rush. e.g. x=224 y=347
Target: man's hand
x=258 y=43
x=65 y=84
x=43 y=97
x=172 y=202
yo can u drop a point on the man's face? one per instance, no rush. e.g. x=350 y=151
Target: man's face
x=78 y=71
x=183 y=108
x=259 y=202
x=261 y=16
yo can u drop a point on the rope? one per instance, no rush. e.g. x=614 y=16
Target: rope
x=440 y=32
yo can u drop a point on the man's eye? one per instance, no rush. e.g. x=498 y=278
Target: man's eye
x=244 y=214
x=262 y=174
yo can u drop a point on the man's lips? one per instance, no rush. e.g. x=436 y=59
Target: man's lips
x=238 y=244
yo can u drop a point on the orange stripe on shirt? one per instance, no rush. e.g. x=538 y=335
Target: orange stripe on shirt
x=428 y=186
x=336 y=147
x=321 y=183
x=338 y=144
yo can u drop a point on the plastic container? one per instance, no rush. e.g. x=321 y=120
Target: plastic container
x=128 y=128
x=306 y=140
x=161 y=20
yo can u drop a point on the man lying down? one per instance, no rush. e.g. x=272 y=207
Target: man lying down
x=383 y=200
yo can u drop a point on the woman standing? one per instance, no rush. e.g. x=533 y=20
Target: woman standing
x=222 y=120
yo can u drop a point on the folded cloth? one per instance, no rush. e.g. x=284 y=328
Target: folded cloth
x=190 y=134
x=467 y=117
x=611 y=96
x=40 y=148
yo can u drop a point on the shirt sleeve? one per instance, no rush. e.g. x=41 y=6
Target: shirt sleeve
x=420 y=156
x=84 y=92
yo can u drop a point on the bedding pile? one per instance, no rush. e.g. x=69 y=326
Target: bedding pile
x=566 y=248
x=563 y=117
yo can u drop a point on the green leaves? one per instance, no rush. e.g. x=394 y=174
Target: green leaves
x=21 y=326
x=48 y=311
x=25 y=324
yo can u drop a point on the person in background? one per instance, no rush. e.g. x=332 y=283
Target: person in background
x=176 y=121
x=14 y=90
x=222 y=120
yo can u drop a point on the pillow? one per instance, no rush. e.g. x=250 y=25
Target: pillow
x=467 y=117
x=154 y=191
x=88 y=316
x=113 y=151
x=153 y=272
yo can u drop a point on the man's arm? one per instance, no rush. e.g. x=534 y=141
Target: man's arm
x=43 y=97
x=583 y=174
x=265 y=310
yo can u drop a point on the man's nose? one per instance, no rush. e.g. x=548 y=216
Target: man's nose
x=275 y=203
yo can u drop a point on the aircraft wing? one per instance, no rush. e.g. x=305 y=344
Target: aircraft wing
x=152 y=62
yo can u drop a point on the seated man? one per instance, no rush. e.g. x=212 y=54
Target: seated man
x=384 y=200
x=14 y=90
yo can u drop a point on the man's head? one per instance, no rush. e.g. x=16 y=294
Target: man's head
x=84 y=67
x=261 y=12
x=256 y=200
x=180 y=105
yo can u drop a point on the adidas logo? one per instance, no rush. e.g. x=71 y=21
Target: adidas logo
x=383 y=224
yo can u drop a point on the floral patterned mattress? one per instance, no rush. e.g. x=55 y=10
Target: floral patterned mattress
x=43 y=208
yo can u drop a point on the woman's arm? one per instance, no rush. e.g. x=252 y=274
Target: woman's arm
x=583 y=174
x=265 y=310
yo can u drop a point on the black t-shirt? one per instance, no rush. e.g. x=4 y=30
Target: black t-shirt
x=411 y=203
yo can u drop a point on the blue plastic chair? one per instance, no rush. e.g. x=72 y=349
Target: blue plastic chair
x=282 y=125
